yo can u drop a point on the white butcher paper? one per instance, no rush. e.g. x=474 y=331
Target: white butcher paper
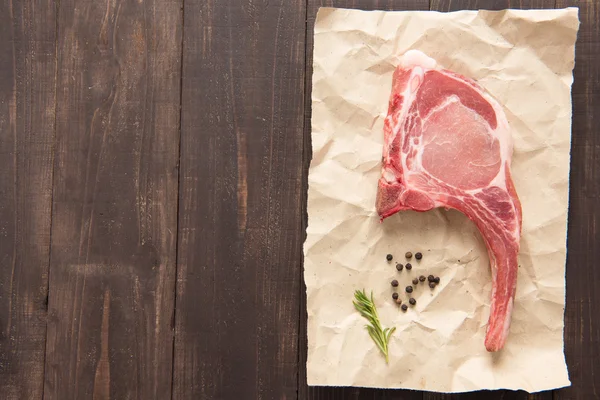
x=523 y=58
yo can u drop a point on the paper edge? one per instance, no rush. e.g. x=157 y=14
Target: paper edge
x=545 y=389
x=574 y=10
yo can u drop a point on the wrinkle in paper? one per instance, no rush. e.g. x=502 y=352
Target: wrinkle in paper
x=523 y=58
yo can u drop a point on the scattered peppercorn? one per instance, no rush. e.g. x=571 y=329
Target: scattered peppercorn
x=432 y=285
x=412 y=301
x=415 y=281
x=408 y=255
x=395 y=283
x=399 y=267
x=408 y=266
x=398 y=301
x=430 y=278
x=389 y=257
x=422 y=278
x=395 y=296
x=409 y=289
x=404 y=307
x=436 y=279
x=418 y=256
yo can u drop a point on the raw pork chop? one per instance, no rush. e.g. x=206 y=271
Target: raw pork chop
x=448 y=144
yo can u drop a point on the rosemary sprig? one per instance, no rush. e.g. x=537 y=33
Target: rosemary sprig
x=366 y=307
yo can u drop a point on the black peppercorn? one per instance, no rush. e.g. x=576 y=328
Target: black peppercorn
x=430 y=278
x=404 y=307
x=422 y=278
x=398 y=301
x=408 y=255
x=389 y=257
x=408 y=266
x=395 y=283
x=432 y=285
x=409 y=289
x=415 y=281
x=395 y=296
x=399 y=267
x=412 y=301
x=436 y=279
x=418 y=256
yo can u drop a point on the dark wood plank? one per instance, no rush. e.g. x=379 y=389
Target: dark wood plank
x=331 y=393
x=27 y=100
x=455 y=5
x=582 y=318
x=495 y=395
x=113 y=252
x=240 y=242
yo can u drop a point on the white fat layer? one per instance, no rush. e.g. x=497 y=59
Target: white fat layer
x=389 y=176
x=506 y=324
x=416 y=58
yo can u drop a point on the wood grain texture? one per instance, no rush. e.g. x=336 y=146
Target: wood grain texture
x=27 y=92
x=113 y=252
x=112 y=91
x=495 y=395
x=456 y=5
x=240 y=244
x=582 y=322
x=331 y=393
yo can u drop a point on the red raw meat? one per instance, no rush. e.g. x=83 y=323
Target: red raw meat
x=448 y=144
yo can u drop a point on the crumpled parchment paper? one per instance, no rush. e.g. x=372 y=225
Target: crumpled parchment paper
x=523 y=58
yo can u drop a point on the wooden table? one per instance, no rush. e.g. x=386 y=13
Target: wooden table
x=154 y=158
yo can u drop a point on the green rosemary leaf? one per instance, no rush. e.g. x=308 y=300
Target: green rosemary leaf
x=390 y=333
x=366 y=307
x=375 y=338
